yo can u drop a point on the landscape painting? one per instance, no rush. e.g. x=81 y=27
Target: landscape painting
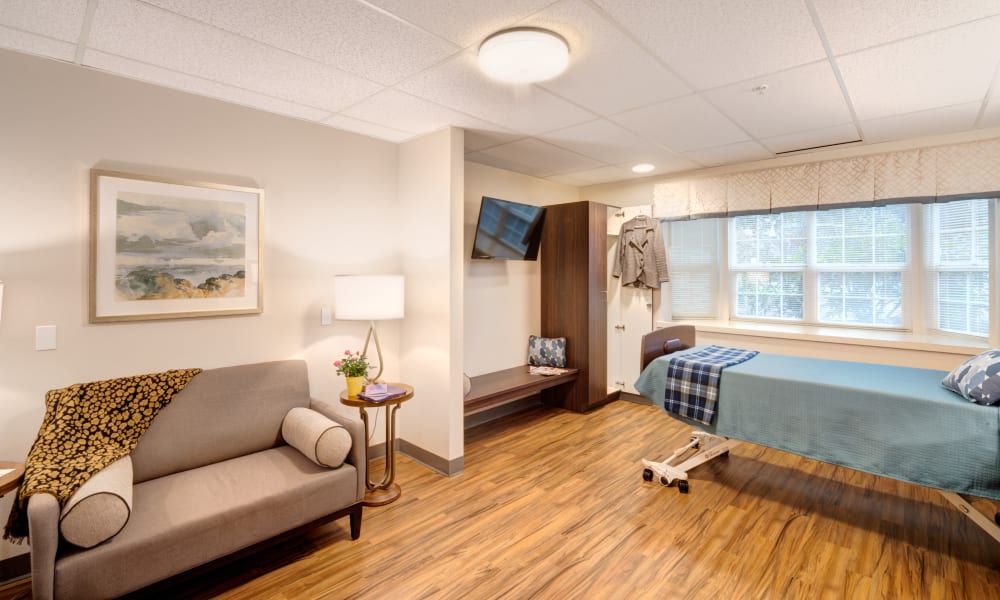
x=164 y=249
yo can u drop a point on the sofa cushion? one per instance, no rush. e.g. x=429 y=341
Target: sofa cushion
x=222 y=414
x=318 y=438
x=100 y=508
x=190 y=518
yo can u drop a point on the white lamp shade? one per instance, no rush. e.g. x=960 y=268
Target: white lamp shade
x=524 y=55
x=368 y=297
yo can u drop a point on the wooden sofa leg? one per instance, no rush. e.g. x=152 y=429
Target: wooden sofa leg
x=356 y=521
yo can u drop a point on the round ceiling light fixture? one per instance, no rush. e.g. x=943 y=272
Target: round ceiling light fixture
x=524 y=55
x=643 y=168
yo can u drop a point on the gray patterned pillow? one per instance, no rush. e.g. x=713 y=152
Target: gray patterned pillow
x=977 y=379
x=549 y=352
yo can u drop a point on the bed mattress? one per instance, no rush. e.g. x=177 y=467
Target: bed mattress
x=897 y=422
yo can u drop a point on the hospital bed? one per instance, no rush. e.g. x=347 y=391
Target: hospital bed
x=895 y=422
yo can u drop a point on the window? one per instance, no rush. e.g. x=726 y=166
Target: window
x=850 y=267
x=958 y=236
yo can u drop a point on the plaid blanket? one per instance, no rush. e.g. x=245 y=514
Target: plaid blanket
x=693 y=380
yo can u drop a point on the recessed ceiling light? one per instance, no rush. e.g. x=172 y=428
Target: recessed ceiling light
x=523 y=55
x=643 y=168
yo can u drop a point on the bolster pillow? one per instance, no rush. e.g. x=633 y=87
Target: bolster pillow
x=100 y=508
x=321 y=440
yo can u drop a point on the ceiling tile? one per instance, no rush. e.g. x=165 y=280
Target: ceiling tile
x=923 y=72
x=59 y=19
x=14 y=39
x=683 y=124
x=592 y=176
x=409 y=113
x=715 y=42
x=730 y=154
x=196 y=85
x=607 y=142
x=812 y=139
x=480 y=139
x=799 y=99
x=629 y=76
x=154 y=36
x=533 y=157
x=369 y=129
x=929 y=122
x=458 y=83
x=345 y=33
x=464 y=23
x=855 y=24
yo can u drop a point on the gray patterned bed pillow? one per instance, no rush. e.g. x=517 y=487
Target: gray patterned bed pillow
x=977 y=379
x=549 y=352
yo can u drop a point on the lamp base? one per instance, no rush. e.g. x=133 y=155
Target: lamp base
x=383 y=496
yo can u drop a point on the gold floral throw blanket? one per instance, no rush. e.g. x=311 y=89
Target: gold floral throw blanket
x=87 y=427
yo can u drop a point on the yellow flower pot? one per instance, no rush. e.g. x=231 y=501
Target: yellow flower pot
x=355 y=385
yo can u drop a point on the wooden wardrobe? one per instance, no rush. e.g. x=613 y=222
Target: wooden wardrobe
x=574 y=268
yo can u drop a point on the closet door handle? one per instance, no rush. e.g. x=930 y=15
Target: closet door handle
x=620 y=327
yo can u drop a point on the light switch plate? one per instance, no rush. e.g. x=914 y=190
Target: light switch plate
x=324 y=316
x=45 y=337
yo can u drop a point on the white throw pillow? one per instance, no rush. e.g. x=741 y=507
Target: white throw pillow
x=100 y=508
x=318 y=438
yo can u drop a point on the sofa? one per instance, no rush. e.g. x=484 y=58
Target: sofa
x=211 y=476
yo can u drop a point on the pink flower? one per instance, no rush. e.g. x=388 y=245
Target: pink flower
x=347 y=352
x=336 y=364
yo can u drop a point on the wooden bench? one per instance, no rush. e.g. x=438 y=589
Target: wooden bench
x=490 y=390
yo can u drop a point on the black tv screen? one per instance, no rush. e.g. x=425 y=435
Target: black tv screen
x=508 y=230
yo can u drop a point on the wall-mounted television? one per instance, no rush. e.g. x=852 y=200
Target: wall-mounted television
x=508 y=230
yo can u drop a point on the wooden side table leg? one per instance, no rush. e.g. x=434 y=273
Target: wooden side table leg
x=385 y=491
x=368 y=439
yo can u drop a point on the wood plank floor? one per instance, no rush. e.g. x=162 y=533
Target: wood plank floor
x=552 y=505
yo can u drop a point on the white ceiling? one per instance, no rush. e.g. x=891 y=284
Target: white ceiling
x=670 y=82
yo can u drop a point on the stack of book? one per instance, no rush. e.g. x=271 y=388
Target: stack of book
x=380 y=392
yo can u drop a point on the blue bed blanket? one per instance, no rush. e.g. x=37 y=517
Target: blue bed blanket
x=896 y=422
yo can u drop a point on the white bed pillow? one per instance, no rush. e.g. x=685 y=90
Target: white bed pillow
x=977 y=379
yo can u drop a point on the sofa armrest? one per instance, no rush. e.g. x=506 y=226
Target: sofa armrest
x=43 y=533
x=359 y=438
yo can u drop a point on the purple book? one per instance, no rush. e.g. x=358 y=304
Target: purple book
x=390 y=392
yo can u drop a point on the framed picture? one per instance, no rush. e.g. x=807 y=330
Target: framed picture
x=168 y=249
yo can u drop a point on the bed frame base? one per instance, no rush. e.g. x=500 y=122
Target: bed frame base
x=991 y=527
x=705 y=447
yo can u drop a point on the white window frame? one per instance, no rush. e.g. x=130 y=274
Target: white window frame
x=918 y=314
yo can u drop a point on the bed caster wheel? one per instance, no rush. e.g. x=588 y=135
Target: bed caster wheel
x=664 y=481
x=697 y=443
x=682 y=486
x=647 y=474
x=996 y=518
x=724 y=454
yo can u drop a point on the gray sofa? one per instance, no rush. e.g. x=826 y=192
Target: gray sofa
x=212 y=476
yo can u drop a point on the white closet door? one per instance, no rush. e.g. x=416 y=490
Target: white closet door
x=630 y=316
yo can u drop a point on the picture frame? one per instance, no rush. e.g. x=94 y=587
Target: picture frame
x=163 y=248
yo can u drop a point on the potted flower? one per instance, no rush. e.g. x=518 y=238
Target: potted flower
x=354 y=367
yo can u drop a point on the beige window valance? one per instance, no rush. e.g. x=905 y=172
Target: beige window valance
x=937 y=174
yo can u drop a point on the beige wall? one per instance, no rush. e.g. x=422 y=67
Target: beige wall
x=330 y=207
x=502 y=297
x=430 y=184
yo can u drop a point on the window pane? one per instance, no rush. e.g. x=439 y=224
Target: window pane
x=875 y=236
x=693 y=268
x=963 y=302
x=769 y=295
x=958 y=241
x=769 y=240
x=861 y=298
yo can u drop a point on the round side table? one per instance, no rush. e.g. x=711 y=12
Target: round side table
x=10 y=481
x=386 y=490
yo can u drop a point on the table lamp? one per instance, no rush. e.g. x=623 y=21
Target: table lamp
x=368 y=298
